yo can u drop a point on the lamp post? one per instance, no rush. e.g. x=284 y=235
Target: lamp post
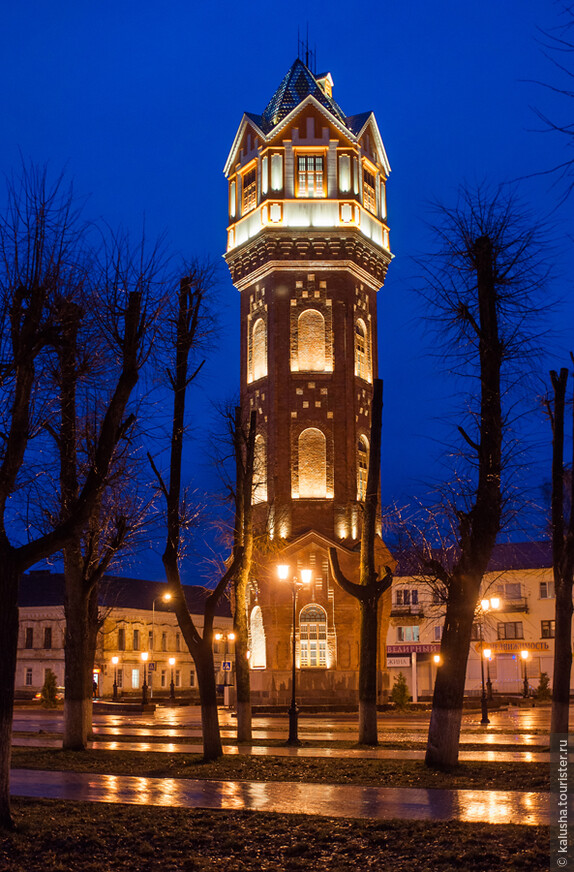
x=115 y=661
x=486 y=605
x=171 y=684
x=487 y=653
x=144 y=656
x=283 y=573
x=165 y=597
x=525 y=655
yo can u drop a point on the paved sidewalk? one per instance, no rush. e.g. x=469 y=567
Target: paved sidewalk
x=379 y=803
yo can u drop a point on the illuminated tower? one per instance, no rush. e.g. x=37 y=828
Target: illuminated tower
x=308 y=249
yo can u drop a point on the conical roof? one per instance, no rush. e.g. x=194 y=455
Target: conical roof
x=297 y=84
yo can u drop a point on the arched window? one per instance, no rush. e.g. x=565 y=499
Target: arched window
x=260 y=471
x=258 y=658
x=362 y=362
x=313 y=636
x=311 y=341
x=362 y=467
x=258 y=350
x=312 y=464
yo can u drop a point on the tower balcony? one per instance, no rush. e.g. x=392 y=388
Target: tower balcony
x=301 y=214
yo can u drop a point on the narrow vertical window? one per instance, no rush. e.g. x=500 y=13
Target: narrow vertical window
x=47 y=637
x=29 y=642
x=362 y=468
x=121 y=639
x=369 y=197
x=310 y=180
x=258 y=659
x=232 y=195
x=311 y=341
x=249 y=193
x=312 y=464
x=260 y=471
x=362 y=357
x=258 y=350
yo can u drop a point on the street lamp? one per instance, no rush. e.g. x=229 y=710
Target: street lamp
x=144 y=656
x=437 y=659
x=171 y=684
x=166 y=598
x=487 y=653
x=283 y=573
x=486 y=605
x=525 y=655
x=115 y=661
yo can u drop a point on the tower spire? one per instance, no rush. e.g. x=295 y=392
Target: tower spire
x=304 y=51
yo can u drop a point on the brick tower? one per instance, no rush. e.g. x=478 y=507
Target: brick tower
x=308 y=249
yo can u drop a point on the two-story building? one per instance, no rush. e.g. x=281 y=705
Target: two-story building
x=514 y=628
x=139 y=634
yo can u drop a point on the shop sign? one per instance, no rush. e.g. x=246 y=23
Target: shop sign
x=413 y=648
x=398 y=662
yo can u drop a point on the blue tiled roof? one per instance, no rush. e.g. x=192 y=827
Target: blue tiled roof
x=297 y=84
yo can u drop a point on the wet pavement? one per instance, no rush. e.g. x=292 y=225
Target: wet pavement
x=379 y=753
x=522 y=733
x=380 y=803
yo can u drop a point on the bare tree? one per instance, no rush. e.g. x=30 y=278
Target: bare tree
x=370 y=587
x=88 y=339
x=482 y=290
x=558 y=47
x=563 y=558
x=40 y=237
x=184 y=337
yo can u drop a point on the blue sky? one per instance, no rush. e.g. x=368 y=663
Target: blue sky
x=140 y=102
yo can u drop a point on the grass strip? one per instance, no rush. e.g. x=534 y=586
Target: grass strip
x=56 y=836
x=379 y=773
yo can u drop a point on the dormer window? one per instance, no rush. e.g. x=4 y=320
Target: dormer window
x=249 y=194
x=310 y=176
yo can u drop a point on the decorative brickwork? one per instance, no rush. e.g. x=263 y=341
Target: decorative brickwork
x=308 y=265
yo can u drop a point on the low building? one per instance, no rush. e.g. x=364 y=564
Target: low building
x=516 y=626
x=136 y=620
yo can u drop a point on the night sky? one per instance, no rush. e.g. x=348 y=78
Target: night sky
x=140 y=102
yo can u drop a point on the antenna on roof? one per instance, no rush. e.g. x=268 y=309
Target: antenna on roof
x=305 y=53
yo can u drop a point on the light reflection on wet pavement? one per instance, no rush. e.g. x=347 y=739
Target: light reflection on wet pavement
x=488 y=806
x=492 y=756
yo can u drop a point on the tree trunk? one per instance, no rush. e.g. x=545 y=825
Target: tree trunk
x=478 y=526
x=242 y=676
x=563 y=557
x=244 y=446
x=9 y=579
x=368 y=673
x=204 y=664
x=446 y=715
x=81 y=611
x=562 y=659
